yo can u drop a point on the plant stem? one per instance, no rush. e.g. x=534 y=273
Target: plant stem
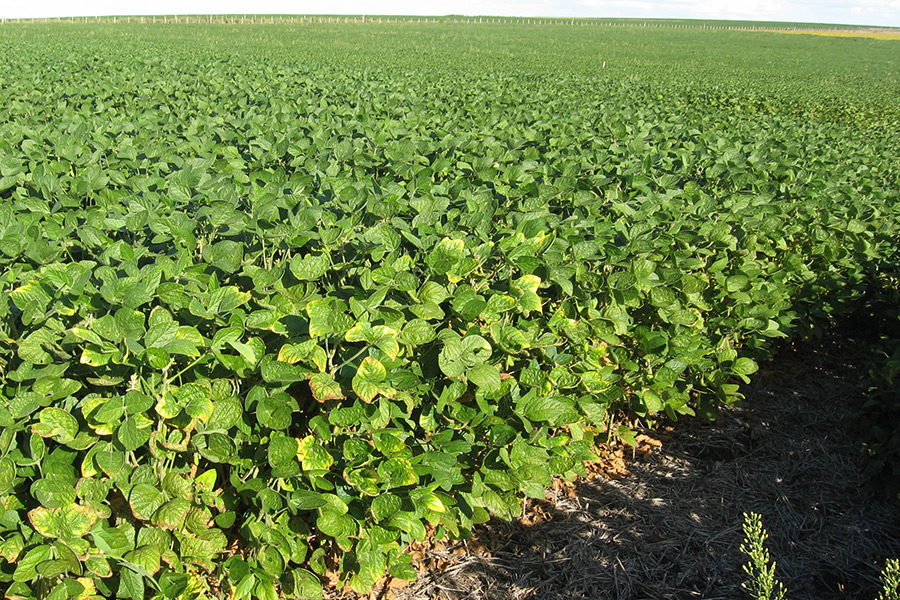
x=349 y=360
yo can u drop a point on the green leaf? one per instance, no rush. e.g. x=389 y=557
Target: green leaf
x=172 y=514
x=147 y=557
x=274 y=372
x=398 y=472
x=428 y=311
x=252 y=351
x=26 y=567
x=745 y=366
x=56 y=389
x=460 y=354
x=69 y=522
x=468 y=304
x=226 y=412
x=404 y=571
x=225 y=299
x=512 y=340
x=265 y=590
x=282 y=450
x=312 y=455
x=160 y=335
x=485 y=376
x=271 y=561
x=53 y=492
x=45 y=521
x=307 y=500
x=348 y=415
x=266 y=319
x=131 y=585
x=626 y=434
x=310 y=267
x=154 y=357
x=324 y=387
x=132 y=435
x=368 y=377
x=444 y=256
x=417 y=332
x=7 y=474
x=144 y=500
x=555 y=410
x=652 y=401
x=306 y=585
x=110 y=461
x=409 y=523
x=56 y=423
x=736 y=283
x=325 y=320
x=336 y=525
x=109 y=412
x=380 y=336
x=245 y=586
x=275 y=411
x=384 y=506
x=226 y=254
x=206 y=481
x=432 y=293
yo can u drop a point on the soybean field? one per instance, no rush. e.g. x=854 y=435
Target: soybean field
x=279 y=300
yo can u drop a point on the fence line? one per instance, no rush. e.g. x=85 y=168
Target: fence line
x=308 y=19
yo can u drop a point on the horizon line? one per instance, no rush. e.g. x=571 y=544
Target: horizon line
x=610 y=20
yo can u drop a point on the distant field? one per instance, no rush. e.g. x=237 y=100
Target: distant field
x=785 y=73
x=858 y=33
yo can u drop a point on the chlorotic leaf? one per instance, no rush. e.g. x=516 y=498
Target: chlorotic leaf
x=368 y=377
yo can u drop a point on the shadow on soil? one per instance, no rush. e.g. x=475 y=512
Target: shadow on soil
x=672 y=528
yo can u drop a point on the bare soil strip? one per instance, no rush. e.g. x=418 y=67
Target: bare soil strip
x=873 y=33
x=672 y=527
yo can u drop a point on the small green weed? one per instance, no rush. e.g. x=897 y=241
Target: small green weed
x=760 y=568
x=890 y=581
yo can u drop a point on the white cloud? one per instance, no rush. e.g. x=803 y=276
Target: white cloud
x=877 y=12
x=729 y=9
x=876 y=7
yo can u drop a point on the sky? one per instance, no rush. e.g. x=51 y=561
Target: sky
x=859 y=12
